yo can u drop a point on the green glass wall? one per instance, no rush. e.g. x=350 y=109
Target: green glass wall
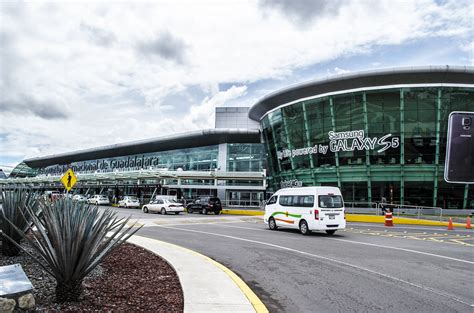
x=23 y=170
x=411 y=121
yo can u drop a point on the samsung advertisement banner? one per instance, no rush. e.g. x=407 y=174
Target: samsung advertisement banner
x=345 y=141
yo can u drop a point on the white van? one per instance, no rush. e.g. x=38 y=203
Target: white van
x=306 y=209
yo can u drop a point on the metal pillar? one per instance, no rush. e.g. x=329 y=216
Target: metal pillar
x=367 y=153
x=438 y=128
x=308 y=141
x=402 y=147
x=290 y=146
x=336 y=154
x=274 y=143
x=466 y=193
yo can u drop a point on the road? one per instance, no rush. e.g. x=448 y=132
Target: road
x=367 y=267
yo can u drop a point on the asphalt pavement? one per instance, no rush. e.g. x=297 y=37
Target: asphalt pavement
x=366 y=268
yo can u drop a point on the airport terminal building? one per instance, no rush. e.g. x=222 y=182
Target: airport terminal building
x=224 y=162
x=378 y=135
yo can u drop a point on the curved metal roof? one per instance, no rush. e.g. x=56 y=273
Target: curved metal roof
x=192 y=139
x=365 y=79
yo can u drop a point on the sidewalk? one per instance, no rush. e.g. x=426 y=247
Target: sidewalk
x=208 y=286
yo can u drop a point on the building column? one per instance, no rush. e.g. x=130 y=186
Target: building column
x=308 y=141
x=336 y=154
x=367 y=153
x=438 y=127
x=466 y=194
x=289 y=143
x=222 y=157
x=402 y=147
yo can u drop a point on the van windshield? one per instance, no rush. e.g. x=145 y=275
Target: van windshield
x=329 y=201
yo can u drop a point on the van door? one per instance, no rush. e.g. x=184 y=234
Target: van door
x=306 y=208
x=331 y=208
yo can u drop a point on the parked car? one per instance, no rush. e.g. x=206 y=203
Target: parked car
x=80 y=198
x=52 y=195
x=163 y=206
x=205 y=205
x=98 y=200
x=129 y=202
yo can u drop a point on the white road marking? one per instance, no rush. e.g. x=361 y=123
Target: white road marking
x=201 y=223
x=403 y=249
x=420 y=286
x=376 y=245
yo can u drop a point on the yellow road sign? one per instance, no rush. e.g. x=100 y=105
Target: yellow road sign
x=69 y=179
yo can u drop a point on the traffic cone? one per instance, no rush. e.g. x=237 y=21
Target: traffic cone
x=388 y=219
x=468 y=224
x=450 y=225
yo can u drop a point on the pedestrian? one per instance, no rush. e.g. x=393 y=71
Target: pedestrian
x=383 y=205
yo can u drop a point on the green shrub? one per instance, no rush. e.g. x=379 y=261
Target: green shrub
x=71 y=238
x=14 y=204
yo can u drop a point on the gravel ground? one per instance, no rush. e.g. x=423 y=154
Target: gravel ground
x=130 y=279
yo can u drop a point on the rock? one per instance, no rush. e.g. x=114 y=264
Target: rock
x=26 y=301
x=7 y=305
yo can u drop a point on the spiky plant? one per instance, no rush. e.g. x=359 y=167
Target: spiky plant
x=72 y=238
x=14 y=204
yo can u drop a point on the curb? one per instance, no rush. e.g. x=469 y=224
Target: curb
x=256 y=303
x=251 y=296
x=243 y=212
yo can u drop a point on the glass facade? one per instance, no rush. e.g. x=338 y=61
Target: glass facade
x=245 y=157
x=386 y=143
x=191 y=159
x=23 y=170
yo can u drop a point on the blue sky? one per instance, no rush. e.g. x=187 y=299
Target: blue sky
x=115 y=72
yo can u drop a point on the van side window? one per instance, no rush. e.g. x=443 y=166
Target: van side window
x=286 y=200
x=272 y=200
x=297 y=201
x=306 y=201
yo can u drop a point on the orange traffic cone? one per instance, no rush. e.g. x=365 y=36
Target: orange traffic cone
x=388 y=219
x=450 y=225
x=468 y=224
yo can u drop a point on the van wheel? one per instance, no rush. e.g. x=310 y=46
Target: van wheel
x=330 y=231
x=272 y=224
x=204 y=211
x=304 y=228
x=163 y=211
x=145 y=209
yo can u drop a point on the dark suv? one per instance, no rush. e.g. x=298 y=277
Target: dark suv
x=205 y=205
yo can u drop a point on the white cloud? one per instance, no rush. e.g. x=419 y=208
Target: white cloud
x=81 y=67
x=203 y=115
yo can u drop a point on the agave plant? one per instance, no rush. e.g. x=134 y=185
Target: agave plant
x=13 y=208
x=72 y=238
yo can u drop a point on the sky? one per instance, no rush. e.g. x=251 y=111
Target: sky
x=82 y=74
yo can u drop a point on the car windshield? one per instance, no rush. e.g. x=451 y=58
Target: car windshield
x=330 y=201
x=171 y=201
x=133 y=198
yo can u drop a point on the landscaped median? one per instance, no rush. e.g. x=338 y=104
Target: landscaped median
x=361 y=218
